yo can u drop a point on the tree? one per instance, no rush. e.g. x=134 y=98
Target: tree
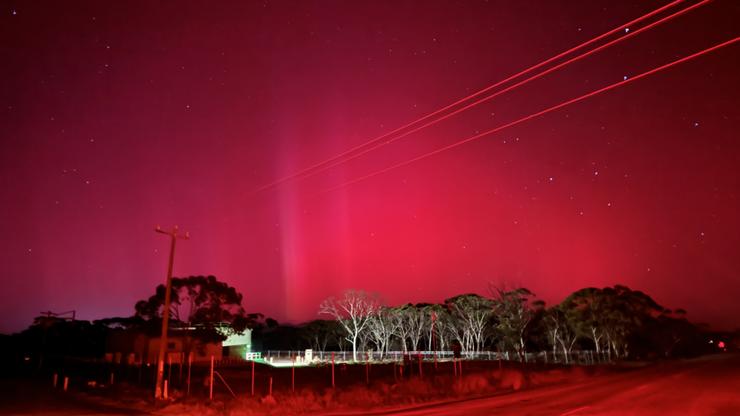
x=514 y=311
x=583 y=309
x=560 y=331
x=211 y=309
x=400 y=327
x=610 y=316
x=353 y=311
x=627 y=311
x=411 y=321
x=318 y=333
x=471 y=313
x=434 y=335
x=382 y=326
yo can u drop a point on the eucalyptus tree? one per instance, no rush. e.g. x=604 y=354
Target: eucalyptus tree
x=584 y=310
x=210 y=307
x=353 y=311
x=319 y=333
x=626 y=311
x=401 y=330
x=514 y=311
x=417 y=320
x=609 y=316
x=382 y=327
x=560 y=331
x=471 y=313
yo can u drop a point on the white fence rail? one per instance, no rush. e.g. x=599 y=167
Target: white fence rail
x=585 y=357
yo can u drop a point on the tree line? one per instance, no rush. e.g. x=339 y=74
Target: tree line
x=616 y=321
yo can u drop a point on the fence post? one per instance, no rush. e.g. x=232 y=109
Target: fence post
x=190 y=363
x=210 y=385
x=252 y=376
x=454 y=365
x=270 y=387
x=421 y=371
x=182 y=361
x=332 y=369
x=66 y=383
x=55 y=379
x=367 y=369
x=292 y=377
x=166 y=390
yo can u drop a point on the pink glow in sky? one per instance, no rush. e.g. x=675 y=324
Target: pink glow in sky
x=119 y=116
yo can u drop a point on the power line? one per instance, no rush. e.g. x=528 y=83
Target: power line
x=303 y=172
x=537 y=114
x=511 y=87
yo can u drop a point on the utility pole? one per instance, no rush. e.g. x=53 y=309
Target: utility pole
x=158 y=393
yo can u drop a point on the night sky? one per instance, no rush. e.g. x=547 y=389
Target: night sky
x=118 y=116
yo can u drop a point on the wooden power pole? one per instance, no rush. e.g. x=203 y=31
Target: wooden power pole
x=174 y=236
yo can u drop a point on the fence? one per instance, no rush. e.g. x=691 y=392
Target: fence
x=585 y=357
x=231 y=377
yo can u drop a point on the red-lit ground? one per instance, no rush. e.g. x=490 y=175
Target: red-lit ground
x=707 y=386
x=704 y=386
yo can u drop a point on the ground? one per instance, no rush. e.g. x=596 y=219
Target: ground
x=702 y=386
x=707 y=386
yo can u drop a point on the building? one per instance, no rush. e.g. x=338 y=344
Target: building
x=137 y=347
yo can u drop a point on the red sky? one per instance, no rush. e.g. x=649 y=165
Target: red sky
x=119 y=116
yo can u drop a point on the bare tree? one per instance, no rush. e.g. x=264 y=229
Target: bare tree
x=444 y=327
x=353 y=311
x=416 y=319
x=432 y=332
x=401 y=329
x=381 y=328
